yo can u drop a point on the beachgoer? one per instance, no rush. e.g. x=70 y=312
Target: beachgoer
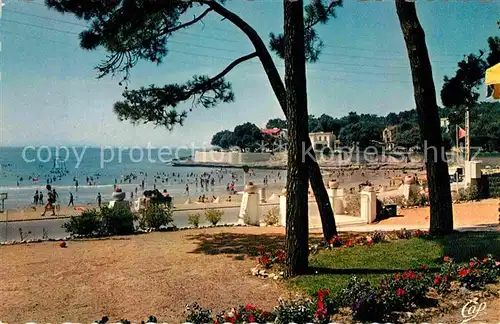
x=40 y=197
x=35 y=198
x=71 y=202
x=50 y=202
x=99 y=199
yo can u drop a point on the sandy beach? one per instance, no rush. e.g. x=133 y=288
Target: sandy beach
x=347 y=179
x=179 y=202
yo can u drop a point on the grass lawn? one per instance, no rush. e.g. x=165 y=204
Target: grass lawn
x=333 y=268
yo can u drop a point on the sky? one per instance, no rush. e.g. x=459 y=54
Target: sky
x=49 y=93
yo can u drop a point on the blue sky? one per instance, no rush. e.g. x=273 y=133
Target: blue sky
x=50 y=94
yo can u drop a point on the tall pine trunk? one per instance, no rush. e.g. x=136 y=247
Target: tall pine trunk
x=297 y=220
x=317 y=184
x=441 y=218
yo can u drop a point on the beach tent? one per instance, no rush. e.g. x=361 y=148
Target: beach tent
x=217 y=200
x=492 y=80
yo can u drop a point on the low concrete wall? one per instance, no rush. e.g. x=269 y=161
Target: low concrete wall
x=230 y=157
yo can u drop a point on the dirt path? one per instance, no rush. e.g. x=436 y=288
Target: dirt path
x=466 y=214
x=490 y=314
x=133 y=277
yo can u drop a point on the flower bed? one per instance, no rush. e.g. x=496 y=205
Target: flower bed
x=270 y=264
x=394 y=298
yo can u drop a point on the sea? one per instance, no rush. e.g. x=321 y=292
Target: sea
x=23 y=170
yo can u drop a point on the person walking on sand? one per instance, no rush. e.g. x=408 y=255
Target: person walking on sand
x=50 y=202
x=57 y=206
x=35 y=198
x=99 y=199
x=76 y=185
x=40 y=197
x=71 y=202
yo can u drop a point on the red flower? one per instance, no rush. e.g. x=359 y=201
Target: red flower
x=251 y=318
x=400 y=292
x=349 y=243
x=280 y=254
x=446 y=259
x=369 y=243
x=472 y=264
x=322 y=293
x=396 y=276
x=463 y=272
x=438 y=278
x=411 y=274
x=249 y=307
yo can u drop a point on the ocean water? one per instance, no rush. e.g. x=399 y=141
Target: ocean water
x=25 y=170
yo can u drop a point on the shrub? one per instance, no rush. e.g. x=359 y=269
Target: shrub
x=213 y=216
x=478 y=273
x=294 y=311
x=416 y=200
x=268 y=259
x=470 y=193
x=363 y=299
x=272 y=217
x=88 y=224
x=106 y=221
x=246 y=314
x=195 y=314
x=155 y=217
x=118 y=220
x=194 y=219
x=404 y=291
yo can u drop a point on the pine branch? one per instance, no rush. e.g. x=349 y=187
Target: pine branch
x=187 y=24
x=150 y=105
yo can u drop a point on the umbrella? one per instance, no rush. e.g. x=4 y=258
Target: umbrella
x=492 y=81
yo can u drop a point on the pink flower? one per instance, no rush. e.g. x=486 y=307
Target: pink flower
x=400 y=292
x=446 y=259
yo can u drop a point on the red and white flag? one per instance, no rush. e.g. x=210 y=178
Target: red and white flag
x=461 y=133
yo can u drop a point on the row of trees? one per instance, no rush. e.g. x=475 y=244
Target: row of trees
x=366 y=129
x=131 y=30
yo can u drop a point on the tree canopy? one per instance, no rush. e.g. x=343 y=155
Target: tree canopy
x=134 y=30
x=366 y=129
x=462 y=90
x=246 y=136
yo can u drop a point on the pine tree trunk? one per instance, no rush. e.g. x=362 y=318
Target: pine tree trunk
x=321 y=195
x=441 y=218
x=297 y=220
x=317 y=184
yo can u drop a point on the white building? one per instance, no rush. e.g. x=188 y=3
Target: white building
x=321 y=140
x=388 y=135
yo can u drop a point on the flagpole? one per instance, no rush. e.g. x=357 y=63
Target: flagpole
x=467 y=136
x=456 y=143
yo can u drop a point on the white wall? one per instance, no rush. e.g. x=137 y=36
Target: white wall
x=230 y=157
